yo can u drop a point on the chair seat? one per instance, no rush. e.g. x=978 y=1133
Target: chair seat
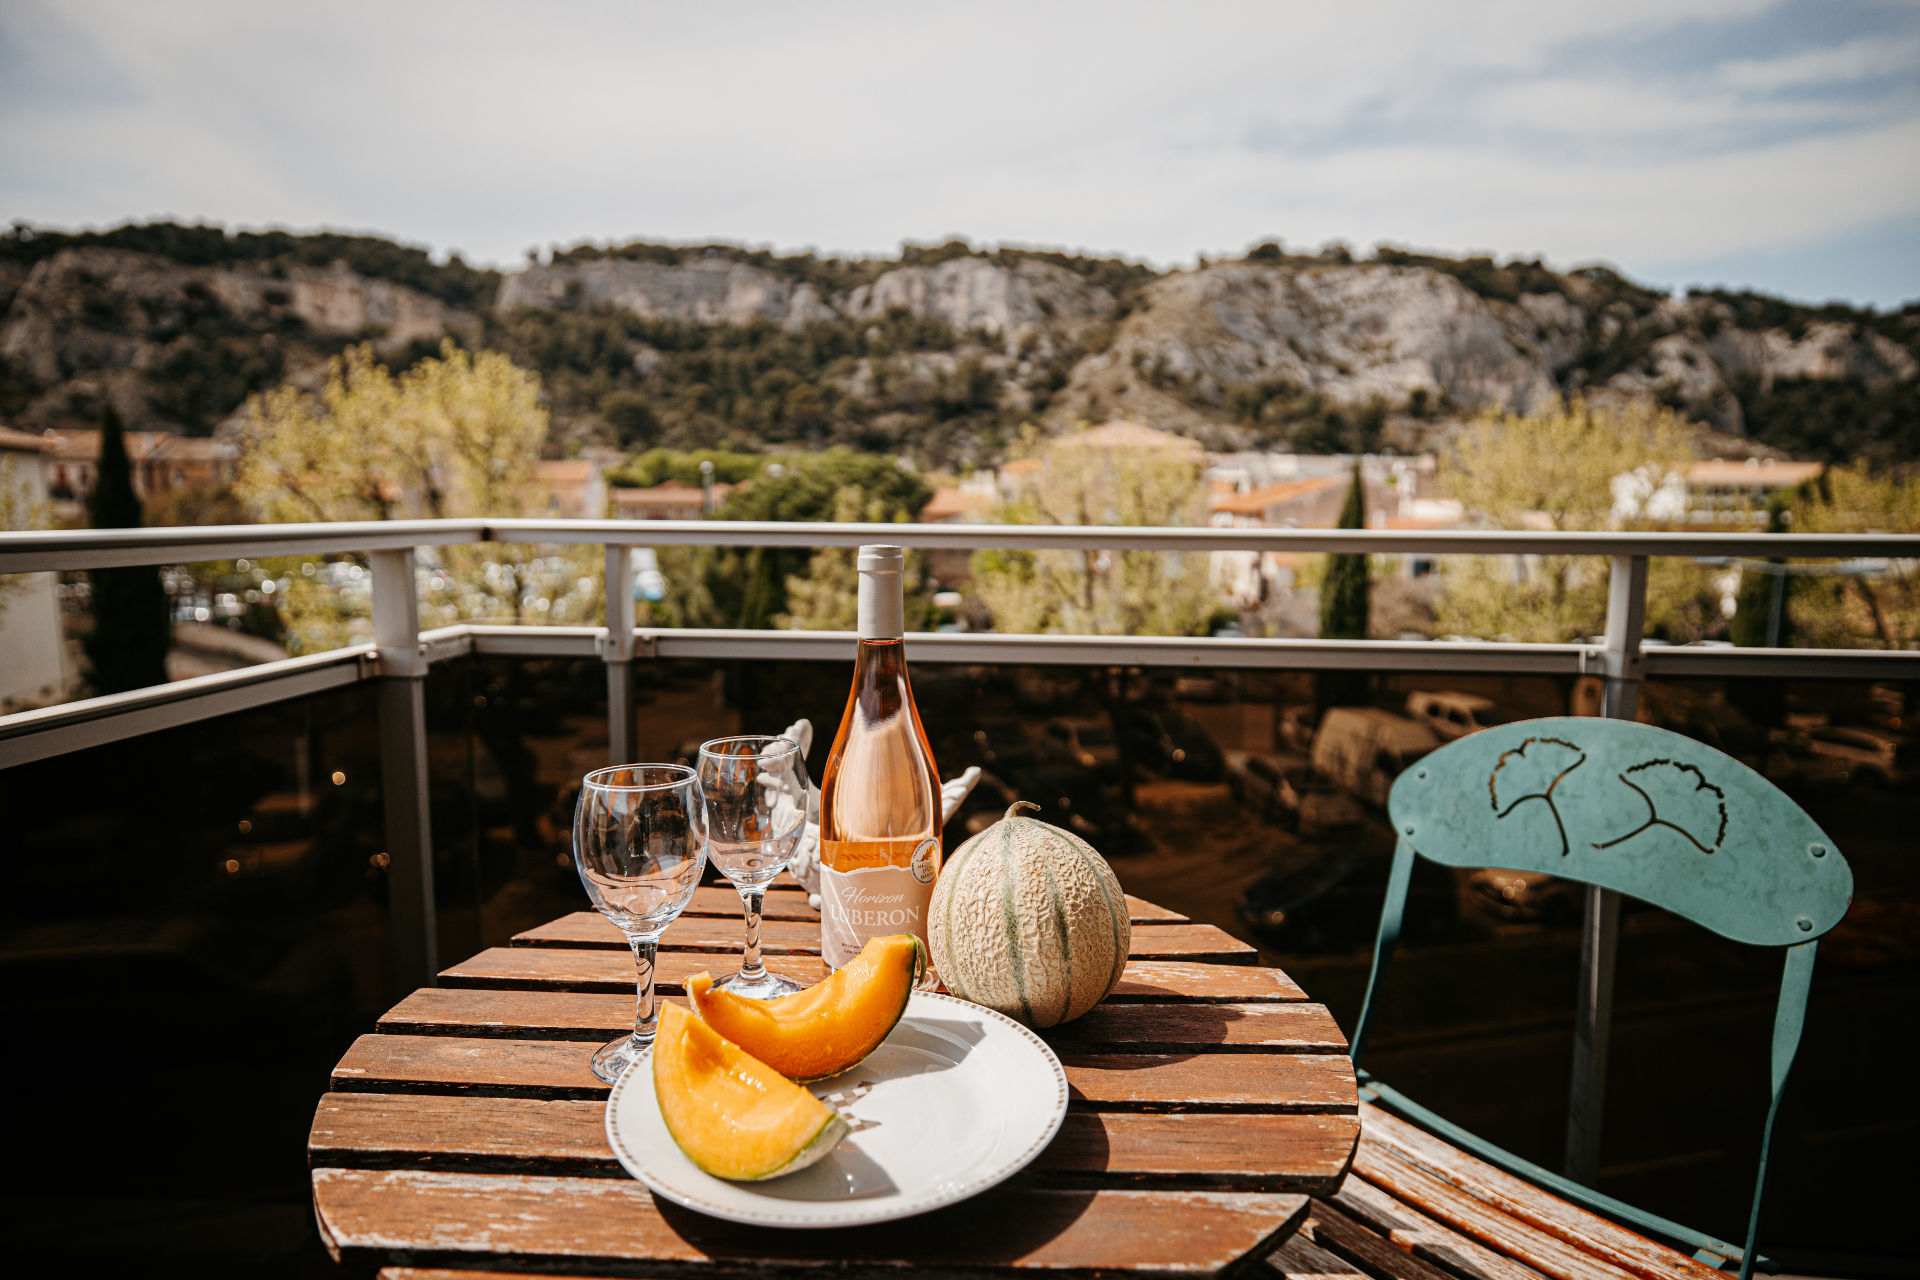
x=1415 y=1207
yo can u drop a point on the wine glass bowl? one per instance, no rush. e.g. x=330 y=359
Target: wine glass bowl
x=755 y=790
x=639 y=844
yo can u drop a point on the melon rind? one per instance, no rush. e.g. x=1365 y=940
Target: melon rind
x=1029 y=920
x=822 y=1145
x=832 y=1127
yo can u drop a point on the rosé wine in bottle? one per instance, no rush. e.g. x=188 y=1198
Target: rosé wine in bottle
x=880 y=800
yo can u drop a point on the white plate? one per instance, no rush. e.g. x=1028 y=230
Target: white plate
x=957 y=1100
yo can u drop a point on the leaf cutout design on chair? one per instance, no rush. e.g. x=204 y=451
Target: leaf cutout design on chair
x=1679 y=798
x=1530 y=772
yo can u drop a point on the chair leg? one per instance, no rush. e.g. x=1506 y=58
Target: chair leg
x=1788 y=1020
x=1391 y=912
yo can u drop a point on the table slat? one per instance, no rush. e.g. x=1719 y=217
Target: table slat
x=1151 y=941
x=579 y=969
x=549 y=1015
x=784 y=901
x=526 y=1135
x=788 y=901
x=452 y=1219
x=1283 y=1082
x=591 y=969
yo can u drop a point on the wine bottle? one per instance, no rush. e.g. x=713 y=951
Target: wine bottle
x=880 y=800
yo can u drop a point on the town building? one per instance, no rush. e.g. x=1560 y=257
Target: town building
x=34 y=669
x=162 y=463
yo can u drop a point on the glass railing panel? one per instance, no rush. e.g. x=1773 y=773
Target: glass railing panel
x=194 y=929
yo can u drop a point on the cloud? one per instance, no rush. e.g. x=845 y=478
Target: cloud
x=1840 y=64
x=1635 y=132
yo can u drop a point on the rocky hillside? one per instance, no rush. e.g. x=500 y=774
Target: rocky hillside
x=945 y=352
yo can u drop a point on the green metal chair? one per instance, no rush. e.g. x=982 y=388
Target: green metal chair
x=1644 y=812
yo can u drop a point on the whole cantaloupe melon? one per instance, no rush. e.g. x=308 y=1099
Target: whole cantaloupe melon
x=1028 y=920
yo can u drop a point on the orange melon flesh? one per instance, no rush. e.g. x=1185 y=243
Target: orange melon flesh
x=733 y=1116
x=831 y=1026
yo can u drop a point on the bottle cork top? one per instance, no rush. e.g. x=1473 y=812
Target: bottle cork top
x=882 y=607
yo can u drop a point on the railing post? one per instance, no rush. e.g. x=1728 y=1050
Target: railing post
x=403 y=769
x=616 y=650
x=1600 y=928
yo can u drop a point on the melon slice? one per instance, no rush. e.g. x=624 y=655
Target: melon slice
x=831 y=1026
x=734 y=1116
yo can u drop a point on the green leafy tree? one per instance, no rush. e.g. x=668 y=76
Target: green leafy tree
x=455 y=435
x=748 y=587
x=658 y=466
x=127 y=648
x=1568 y=469
x=1102 y=592
x=1344 y=591
x=1877 y=610
x=827 y=596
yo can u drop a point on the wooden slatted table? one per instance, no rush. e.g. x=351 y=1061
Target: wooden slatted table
x=1209 y=1100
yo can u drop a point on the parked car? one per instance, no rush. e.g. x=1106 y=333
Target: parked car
x=1297 y=725
x=1085 y=803
x=1003 y=749
x=1330 y=901
x=1087 y=742
x=1313 y=806
x=1205 y=688
x=1170 y=743
x=1254 y=780
x=1451 y=714
x=1855 y=757
x=1364 y=749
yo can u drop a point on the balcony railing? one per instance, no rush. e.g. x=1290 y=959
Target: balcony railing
x=401 y=654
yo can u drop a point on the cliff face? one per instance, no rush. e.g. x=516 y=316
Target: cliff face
x=178 y=347
x=1396 y=336
x=945 y=353
x=1011 y=302
x=710 y=292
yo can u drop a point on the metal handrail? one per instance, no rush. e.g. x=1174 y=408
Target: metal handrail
x=33 y=551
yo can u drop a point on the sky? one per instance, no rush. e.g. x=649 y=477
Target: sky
x=1737 y=143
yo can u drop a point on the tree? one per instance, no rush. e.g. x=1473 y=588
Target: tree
x=1567 y=469
x=455 y=435
x=827 y=596
x=1343 y=594
x=1760 y=609
x=1879 y=609
x=1080 y=482
x=127 y=648
x=748 y=587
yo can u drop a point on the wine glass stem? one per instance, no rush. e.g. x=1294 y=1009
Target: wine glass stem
x=751 y=970
x=645 y=1015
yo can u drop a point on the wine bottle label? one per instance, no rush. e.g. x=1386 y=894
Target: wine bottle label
x=872 y=902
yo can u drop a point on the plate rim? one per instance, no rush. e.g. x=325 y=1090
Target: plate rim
x=926 y=1203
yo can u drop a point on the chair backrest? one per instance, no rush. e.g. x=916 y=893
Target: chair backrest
x=1629 y=807
x=1642 y=811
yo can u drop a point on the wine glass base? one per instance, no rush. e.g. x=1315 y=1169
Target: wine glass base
x=612 y=1059
x=769 y=986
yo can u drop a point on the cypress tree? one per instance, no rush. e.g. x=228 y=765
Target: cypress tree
x=1343 y=595
x=127 y=648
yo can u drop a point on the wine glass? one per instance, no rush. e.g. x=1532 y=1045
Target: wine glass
x=639 y=842
x=756 y=795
